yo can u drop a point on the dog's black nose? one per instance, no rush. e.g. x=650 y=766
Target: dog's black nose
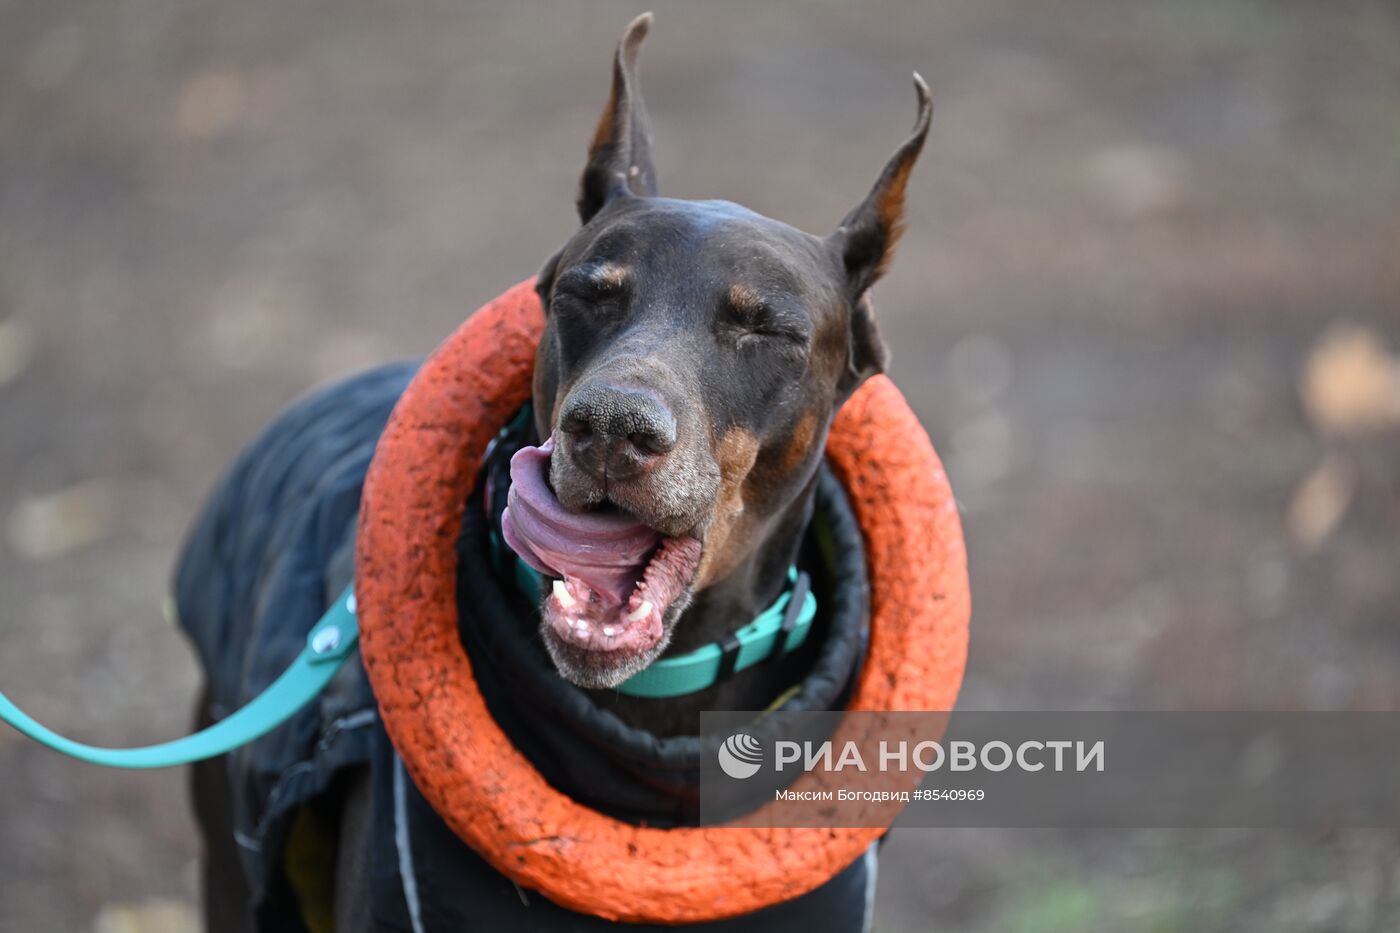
x=615 y=432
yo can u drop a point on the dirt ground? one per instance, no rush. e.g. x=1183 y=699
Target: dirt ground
x=1147 y=307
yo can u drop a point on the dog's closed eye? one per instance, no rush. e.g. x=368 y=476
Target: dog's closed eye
x=758 y=321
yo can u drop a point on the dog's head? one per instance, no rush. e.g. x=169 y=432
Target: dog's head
x=693 y=356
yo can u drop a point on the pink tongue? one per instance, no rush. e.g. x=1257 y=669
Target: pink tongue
x=608 y=553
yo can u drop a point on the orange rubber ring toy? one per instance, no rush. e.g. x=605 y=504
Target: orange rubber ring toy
x=466 y=767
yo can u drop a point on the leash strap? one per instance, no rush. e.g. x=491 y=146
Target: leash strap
x=779 y=629
x=328 y=644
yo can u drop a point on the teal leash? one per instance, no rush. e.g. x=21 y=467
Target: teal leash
x=780 y=628
x=328 y=645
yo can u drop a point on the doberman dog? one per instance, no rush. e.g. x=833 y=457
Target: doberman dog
x=693 y=357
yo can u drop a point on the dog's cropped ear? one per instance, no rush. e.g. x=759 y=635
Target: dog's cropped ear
x=866 y=240
x=619 y=159
x=544 y=282
x=868 y=354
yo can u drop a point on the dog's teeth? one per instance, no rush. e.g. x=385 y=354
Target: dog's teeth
x=641 y=612
x=561 y=593
x=610 y=630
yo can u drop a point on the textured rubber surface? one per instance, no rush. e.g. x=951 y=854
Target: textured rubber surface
x=463 y=763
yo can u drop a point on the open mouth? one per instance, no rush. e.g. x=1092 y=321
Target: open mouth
x=612 y=577
x=587 y=618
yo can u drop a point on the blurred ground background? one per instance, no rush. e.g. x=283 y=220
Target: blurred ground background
x=1148 y=307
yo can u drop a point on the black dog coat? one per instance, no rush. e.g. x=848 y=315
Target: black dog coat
x=276 y=543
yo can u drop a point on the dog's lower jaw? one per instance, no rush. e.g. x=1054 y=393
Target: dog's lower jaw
x=708 y=615
x=594 y=670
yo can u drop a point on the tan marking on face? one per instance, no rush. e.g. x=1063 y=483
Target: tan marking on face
x=800 y=444
x=726 y=543
x=744 y=299
x=610 y=275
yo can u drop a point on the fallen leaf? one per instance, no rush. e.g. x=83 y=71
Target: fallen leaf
x=1320 y=503
x=1351 y=383
x=44 y=527
x=159 y=915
